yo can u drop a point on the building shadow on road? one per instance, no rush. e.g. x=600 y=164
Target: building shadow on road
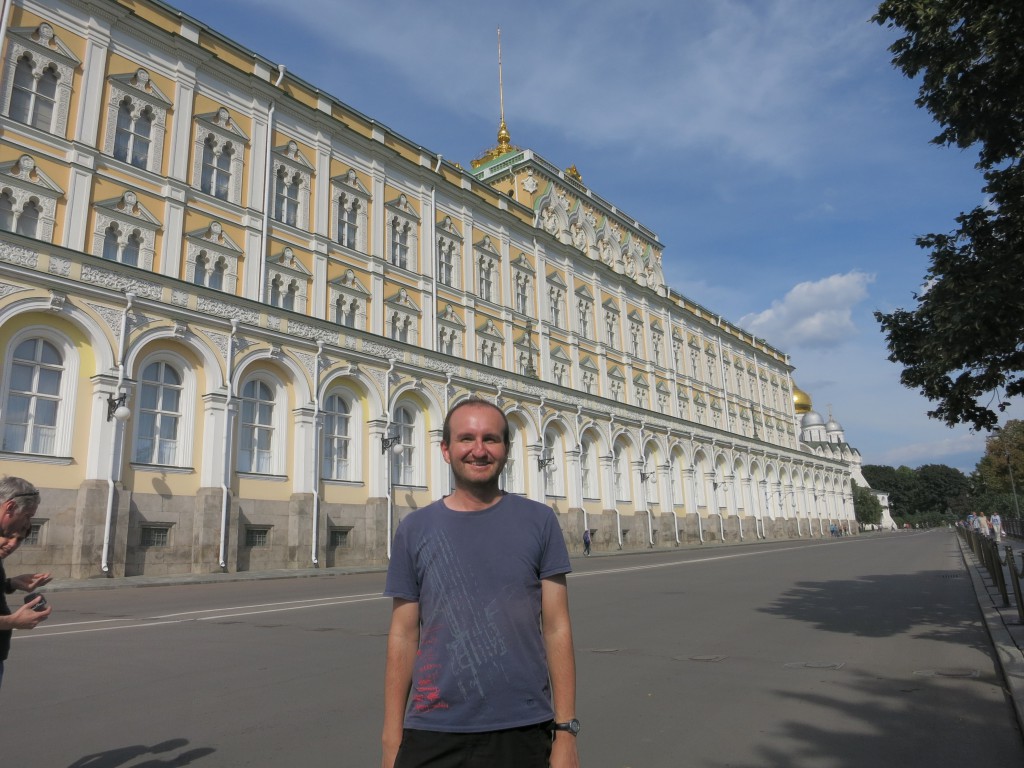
x=930 y=604
x=125 y=757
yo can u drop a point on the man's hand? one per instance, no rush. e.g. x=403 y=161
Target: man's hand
x=563 y=751
x=27 y=582
x=26 y=618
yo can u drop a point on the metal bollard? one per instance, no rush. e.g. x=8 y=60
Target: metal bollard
x=1015 y=577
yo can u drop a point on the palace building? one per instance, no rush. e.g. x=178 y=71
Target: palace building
x=234 y=311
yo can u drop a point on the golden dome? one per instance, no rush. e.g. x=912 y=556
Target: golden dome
x=504 y=147
x=801 y=400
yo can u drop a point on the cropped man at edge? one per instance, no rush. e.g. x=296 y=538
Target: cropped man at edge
x=20 y=501
x=481 y=670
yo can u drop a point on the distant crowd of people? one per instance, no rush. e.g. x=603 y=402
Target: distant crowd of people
x=991 y=527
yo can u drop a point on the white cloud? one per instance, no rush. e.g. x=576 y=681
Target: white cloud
x=813 y=314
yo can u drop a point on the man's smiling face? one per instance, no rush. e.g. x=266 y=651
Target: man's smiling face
x=476 y=452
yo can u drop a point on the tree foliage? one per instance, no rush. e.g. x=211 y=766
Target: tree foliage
x=866 y=507
x=929 y=489
x=962 y=346
x=1001 y=469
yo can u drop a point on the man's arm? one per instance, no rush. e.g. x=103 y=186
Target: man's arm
x=26 y=582
x=403 y=640
x=561 y=666
x=25 y=617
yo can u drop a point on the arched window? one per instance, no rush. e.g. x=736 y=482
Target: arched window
x=216 y=174
x=256 y=428
x=132 y=134
x=588 y=470
x=33 y=100
x=552 y=458
x=6 y=211
x=33 y=397
x=348 y=221
x=337 y=440
x=651 y=486
x=511 y=475
x=159 y=415
x=403 y=465
x=400 y=243
x=111 y=246
x=286 y=196
x=130 y=252
x=28 y=220
x=620 y=477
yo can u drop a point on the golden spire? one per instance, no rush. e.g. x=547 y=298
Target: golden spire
x=504 y=140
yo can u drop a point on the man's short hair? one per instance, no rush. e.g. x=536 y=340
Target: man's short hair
x=24 y=495
x=446 y=430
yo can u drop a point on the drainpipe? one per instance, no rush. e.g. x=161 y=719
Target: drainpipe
x=579 y=447
x=118 y=448
x=268 y=169
x=226 y=478
x=387 y=456
x=4 y=23
x=316 y=456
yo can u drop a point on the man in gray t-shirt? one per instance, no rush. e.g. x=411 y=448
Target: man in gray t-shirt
x=480 y=632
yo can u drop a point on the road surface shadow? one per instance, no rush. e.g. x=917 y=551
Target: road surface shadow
x=124 y=757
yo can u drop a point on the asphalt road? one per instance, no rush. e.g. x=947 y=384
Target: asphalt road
x=833 y=654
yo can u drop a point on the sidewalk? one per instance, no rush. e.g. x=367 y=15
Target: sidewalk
x=120 y=582
x=1002 y=621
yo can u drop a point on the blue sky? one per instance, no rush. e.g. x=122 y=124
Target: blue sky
x=770 y=144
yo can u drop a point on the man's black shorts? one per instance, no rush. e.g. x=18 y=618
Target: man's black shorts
x=526 y=747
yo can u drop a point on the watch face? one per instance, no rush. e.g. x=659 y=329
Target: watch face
x=574 y=726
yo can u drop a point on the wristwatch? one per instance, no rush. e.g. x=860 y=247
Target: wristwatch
x=573 y=726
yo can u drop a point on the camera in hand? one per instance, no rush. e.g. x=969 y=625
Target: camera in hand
x=41 y=605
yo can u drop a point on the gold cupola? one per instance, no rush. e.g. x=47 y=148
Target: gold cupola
x=801 y=400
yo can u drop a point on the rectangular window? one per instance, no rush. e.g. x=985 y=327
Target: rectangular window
x=257 y=537
x=156 y=536
x=339 y=538
x=34 y=538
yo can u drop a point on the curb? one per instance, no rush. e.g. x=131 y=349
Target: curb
x=1004 y=630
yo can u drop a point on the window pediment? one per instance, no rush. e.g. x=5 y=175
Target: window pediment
x=616 y=373
x=584 y=293
x=401 y=205
x=290 y=155
x=402 y=300
x=222 y=122
x=447 y=228
x=557 y=353
x=450 y=317
x=139 y=85
x=486 y=246
x=350 y=180
x=128 y=207
x=215 y=237
x=25 y=169
x=523 y=264
x=44 y=40
x=491 y=330
x=636 y=317
x=555 y=279
x=349 y=282
x=610 y=305
x=288 y=262
x=589 y=364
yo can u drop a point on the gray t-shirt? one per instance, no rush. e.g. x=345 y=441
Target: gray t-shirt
x=481 y=664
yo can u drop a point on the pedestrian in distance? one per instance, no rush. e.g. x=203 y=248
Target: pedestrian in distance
x=480 y=669
x=997 y=527
x=586 y=542
x=20 y=502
